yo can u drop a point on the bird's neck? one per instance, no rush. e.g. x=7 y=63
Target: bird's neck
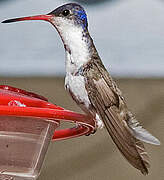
x=79 y=49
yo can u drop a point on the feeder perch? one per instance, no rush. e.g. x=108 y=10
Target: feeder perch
x=28 y=123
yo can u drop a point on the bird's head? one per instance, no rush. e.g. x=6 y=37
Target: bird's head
x=70 y=20
x=70 y=14
x=67 y=15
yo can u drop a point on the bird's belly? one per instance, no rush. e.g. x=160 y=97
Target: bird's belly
x=76 y=86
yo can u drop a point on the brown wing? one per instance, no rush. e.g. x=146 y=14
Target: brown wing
x=107 y=101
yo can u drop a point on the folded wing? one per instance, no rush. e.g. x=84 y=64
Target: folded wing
x=108 y=103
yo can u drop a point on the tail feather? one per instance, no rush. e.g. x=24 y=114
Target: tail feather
x=144 y=156
x=139 y=132
x=130 y=147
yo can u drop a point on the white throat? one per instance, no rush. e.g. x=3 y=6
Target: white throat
x=77 y=50
x=78 y=53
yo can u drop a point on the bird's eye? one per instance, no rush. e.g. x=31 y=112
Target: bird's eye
x=65 y=12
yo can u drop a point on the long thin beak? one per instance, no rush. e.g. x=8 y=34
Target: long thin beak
x=46 y=17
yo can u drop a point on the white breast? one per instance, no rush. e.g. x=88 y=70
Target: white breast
x=77 y=55
x=76 y=85
x=77 y=44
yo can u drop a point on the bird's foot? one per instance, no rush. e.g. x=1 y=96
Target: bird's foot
x=93 y=132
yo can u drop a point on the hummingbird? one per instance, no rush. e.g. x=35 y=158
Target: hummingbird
x=92 y=87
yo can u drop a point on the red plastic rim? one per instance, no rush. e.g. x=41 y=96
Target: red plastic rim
x=18 y=102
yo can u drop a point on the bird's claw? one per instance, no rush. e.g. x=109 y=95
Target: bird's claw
x=93 y=132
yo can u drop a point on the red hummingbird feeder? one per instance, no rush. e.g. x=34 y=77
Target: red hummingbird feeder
x=28 y=123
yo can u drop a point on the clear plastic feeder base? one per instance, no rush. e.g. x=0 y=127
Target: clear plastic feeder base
x=28 y=123
x=23 y=145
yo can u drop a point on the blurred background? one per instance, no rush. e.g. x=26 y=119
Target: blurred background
x=129 y=36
